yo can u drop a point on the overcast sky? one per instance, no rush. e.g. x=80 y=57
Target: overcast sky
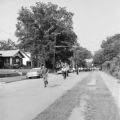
x=94 y=20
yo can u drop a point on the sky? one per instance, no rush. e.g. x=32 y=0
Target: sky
x=93 y=20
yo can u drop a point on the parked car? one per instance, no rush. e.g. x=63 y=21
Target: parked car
x=34 y=73
x=71 y=70
x=59 y=71
x=80 y=69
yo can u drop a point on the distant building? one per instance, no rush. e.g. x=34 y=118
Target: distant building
x=10 y=58
x=89 y=62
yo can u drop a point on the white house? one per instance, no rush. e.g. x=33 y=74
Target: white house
x=10 y=58
x=14 y=57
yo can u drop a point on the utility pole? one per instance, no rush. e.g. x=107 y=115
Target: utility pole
x=74 y=54
x=60 y=46
x=54 y=55
x=55 y=38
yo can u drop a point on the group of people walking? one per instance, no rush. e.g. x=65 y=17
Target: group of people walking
x=65 y=72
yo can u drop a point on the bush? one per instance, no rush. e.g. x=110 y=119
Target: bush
x=113 y=67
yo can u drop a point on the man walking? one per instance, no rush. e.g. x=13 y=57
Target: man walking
x=64 y=71
x=44 y=74
x=67 y=70
x=77 y=70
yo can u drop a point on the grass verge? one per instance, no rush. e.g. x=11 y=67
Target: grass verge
x=101 y=105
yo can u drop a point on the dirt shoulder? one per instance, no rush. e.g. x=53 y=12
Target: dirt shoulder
x=113 y=86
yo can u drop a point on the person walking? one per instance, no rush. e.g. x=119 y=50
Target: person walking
x=45 y=74
x=67 y=70
x=77 y=70
x=64 y=71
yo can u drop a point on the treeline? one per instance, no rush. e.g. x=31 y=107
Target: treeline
x=108 y=57
x=8 y=45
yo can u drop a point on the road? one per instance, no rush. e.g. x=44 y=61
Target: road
x=87 y=96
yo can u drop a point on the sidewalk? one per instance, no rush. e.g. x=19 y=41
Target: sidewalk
x=23 y=100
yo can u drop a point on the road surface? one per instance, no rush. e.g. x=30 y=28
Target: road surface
x=87 y=96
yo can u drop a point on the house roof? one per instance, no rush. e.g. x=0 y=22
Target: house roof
x=26 y=54
x=8 y=53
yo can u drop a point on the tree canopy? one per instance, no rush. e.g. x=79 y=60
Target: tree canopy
x=80 y=55
x=110 y=48
x=7 y=45
x=42 y=27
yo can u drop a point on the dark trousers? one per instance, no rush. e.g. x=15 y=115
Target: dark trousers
x=64 y=74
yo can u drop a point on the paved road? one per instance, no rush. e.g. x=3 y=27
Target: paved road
x=78 y=94
x=23 y=100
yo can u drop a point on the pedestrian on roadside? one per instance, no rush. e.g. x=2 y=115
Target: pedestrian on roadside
x=45 y=75
x=67 y=70
x=77 y=70
x=64 y=71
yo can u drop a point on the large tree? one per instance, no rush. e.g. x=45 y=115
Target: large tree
x=98 y=58
x=42 y=27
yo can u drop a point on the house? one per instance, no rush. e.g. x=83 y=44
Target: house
x=9 y=58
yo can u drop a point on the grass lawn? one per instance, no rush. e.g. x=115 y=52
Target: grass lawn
x=12 y=72
x=12 y=75
x=12 y=79
x=5 y=71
